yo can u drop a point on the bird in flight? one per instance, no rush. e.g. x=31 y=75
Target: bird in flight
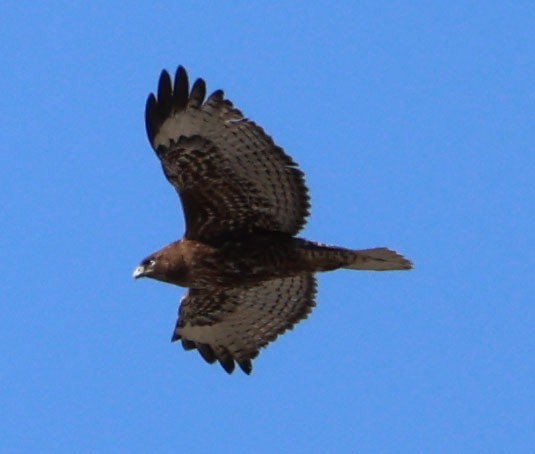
x=249 y=278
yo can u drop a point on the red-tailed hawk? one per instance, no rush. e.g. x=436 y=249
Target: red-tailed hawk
x=249 y=278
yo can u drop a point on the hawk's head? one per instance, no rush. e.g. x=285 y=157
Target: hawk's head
x=167 y=265
x=149 y=267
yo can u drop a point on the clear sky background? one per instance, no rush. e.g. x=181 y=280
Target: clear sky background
x=414 y=123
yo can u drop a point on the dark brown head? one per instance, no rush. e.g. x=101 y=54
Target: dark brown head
x=166 y=265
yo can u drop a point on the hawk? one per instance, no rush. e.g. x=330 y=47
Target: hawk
x=249 y=277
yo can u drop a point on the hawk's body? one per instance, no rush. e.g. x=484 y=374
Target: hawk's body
x=244 y=199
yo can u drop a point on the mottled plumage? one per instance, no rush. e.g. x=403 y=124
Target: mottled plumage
x=229 y=174
x=244 y=200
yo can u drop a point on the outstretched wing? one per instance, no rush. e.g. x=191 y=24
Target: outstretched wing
x=231 y=177
x=232 y=325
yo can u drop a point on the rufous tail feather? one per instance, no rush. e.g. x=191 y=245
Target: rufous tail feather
x=378 y=259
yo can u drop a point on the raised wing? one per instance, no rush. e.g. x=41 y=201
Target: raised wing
x=231 y=177
x=232 y=325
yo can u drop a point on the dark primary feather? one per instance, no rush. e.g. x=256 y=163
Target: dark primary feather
x=231 y=325
x=165 y=93
x=206 y=352
x=198 y=92
x=231 y=177
x=181 y=87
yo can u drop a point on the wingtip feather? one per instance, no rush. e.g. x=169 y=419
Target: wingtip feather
x=180 y=89
x=152 y=119
x=164 y=86
x=197 y=94
x=227 y=363
x=246 y=366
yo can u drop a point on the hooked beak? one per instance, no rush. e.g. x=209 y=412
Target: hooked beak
x=139 y=272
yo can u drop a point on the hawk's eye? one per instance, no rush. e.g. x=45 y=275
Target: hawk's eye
x=149 y=262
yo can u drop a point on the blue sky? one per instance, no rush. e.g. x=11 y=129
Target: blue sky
x=414 y=123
